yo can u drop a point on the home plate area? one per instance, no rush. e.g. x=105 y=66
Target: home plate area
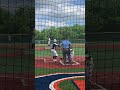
x=60 y=61
x=67 y=63
x=78 y=60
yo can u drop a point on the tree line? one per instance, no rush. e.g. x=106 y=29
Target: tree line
x=20 y=21
x=72 y=32
x=102 y=16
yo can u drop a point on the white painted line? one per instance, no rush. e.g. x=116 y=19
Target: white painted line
x=51 y=86
x=49 y=60
x=59 y=73
x=76 y=63
x=62 y=62
x=44 y=60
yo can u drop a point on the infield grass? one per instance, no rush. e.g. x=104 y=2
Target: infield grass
x=43 y=71
x=69 y=83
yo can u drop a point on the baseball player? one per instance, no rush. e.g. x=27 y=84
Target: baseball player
x=49 y=41
x=72 y=54
x=53 y=50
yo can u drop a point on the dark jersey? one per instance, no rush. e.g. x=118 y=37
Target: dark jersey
x=54 y=46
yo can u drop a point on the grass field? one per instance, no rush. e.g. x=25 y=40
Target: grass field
x=43 y=71
x=67 y=85
x=70 y=85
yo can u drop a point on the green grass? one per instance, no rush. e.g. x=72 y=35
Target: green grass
x=41 y=71
x=67 y=85
x=79 y=79
x=70 y=85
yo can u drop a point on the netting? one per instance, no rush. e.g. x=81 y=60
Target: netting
x=16 y=63
x=104 y=48
x=17 y=38
x=16 y=52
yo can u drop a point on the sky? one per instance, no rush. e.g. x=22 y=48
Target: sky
x=59 y=13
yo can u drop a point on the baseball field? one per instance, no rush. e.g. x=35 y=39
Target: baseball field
x=48 y=67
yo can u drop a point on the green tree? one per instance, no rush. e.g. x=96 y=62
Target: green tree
x=25 y=20
x=72 y=32
x=6 y=22
x=102 y=15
